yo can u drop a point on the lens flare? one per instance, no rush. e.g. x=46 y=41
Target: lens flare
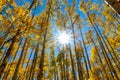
x=63 y=38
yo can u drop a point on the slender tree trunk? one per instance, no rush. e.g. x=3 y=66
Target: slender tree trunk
x=61 y=66
x=19 y=61
x=115 y=18
x=26 y=73
x=40 y=74
x=82 y=52
x=85 y=47
x=23 y=59
x=67 y=74
x=62 y=71
x=25 y=53
x=77 y=56
x=72 y=64
x=33 y=65
x=32 y=4
x=64 y=65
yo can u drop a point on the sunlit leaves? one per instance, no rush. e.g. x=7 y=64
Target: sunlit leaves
x=94 y=74
x=94 y=56
x=1 y=17
x=2 y=2
x=20 y=11
x=95 y=27
x=84 y=6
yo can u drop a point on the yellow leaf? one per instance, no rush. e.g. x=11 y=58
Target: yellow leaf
x=45 y=68
x=1 y=17
x=13 y=18
x=20 y=11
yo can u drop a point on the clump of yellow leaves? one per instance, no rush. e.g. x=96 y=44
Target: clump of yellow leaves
x=84 y=6
x=45 y=68
x=93 y=56
x=114 y=42
x=81 y=7
x=1 y=17
x=118 y=29
x=20 y=11
x=94 y=7
x=2 y=2
x=94 y=73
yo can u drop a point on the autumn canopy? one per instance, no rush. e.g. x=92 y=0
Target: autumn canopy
x=59 y=40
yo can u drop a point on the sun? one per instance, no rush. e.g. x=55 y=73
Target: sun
x=63 y=38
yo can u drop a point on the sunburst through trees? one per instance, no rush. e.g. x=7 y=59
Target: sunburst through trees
x=59 y=40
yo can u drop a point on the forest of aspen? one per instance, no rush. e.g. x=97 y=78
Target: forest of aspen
x=59 y=40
